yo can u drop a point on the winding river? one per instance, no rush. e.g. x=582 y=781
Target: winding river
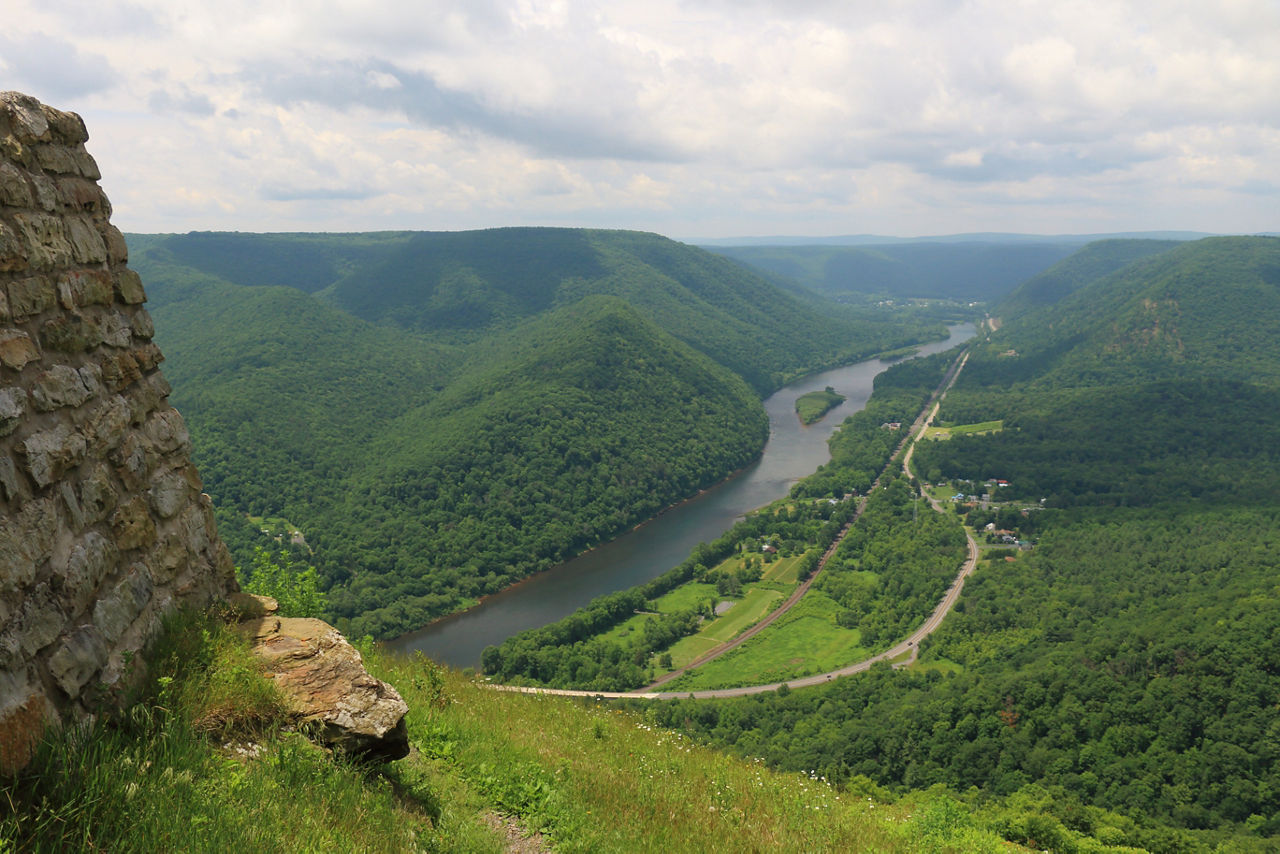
x=792 y=452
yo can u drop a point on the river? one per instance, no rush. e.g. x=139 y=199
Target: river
x=792 y=452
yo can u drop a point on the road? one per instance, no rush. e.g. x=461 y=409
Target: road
x=906 y=649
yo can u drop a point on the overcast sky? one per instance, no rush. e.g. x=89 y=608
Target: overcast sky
x=692 y=118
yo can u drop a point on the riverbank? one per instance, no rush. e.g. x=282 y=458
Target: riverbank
x=644 y=553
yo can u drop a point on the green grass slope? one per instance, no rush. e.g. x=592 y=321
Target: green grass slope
x=205 y=763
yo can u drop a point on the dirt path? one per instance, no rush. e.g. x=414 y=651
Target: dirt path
x=906 y=650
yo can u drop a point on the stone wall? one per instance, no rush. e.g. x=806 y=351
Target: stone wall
x=103 y=528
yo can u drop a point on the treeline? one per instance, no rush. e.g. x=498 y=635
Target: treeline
x=894 y=566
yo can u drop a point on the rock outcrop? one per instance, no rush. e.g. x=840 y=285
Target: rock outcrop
x=103 y=528
x=325 y=681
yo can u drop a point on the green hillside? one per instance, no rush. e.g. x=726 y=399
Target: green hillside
x=443 y=414
x=1091 y=262
x=1126 y=660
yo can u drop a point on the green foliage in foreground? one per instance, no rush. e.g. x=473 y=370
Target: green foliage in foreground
x=294 y=586
x=815 y=404
x=165 y=776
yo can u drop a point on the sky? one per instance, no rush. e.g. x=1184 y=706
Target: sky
x=690 y=118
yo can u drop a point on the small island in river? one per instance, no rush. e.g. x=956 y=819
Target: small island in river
x=812 y=406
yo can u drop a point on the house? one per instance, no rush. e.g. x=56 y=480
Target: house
x=769 y=549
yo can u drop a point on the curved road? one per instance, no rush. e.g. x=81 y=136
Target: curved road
x=905 y=649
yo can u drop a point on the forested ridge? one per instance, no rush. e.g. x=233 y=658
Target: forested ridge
x=1128 y=661
x=921 y=270
x=443 y=414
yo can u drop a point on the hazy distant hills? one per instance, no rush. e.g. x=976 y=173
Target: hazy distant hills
x=962 y=267
x=441 y=414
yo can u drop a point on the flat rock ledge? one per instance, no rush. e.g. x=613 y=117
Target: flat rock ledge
x=325 y=681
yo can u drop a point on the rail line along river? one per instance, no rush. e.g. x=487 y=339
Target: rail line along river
x=793 y=451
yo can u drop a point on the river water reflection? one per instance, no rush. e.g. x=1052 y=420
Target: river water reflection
x=793 y=451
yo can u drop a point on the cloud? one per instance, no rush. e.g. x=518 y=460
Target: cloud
x=52 y=68
x=694 y=115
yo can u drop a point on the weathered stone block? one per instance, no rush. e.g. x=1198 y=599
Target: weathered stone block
x=22 y=723
x=133 y=526
x=106 y=425
x=173 y=489
x=117 y=248
x=74 y=514
x=116 y=330
x=57 y=159
x=170 y=556
x=64 y=127
x=167 y=431
x=13 y=253
x=71 y=333
x=14 y=189
x=31 y=296
x=26 y=541
x=23 y=116
x=97 y=495
x=10 y=485
x=17 y=349
x=114 y=612
x=129 y=287
x=86 y=165
x=40 y=623
x=5 y=314
x=45 y=237
x=120 y=370
x=148 y=356
x=78 y=659
x=50 y=453
x=134 y=459
x=46 y=191
x=78 y=194
x=61 y=385
x=143 y=327
x=89 y=562
x=79 y=288
x=17 y=564
x=13 y=405
x=87 y=246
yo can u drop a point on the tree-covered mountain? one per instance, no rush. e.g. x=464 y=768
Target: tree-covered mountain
x=1128 y=659
x=443 y=414
x=957 y=271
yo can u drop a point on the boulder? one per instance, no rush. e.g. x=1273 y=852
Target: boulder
x=325 y=681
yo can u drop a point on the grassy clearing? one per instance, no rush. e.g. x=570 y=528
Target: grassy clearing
x=805 y=641
x=784 y=570
x=946 y=432
x=937 y=665
x=191 y=769
x=683 y=598
x=757 y=602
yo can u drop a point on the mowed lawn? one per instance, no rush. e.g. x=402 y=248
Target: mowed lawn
x=682 y=598
x=746 y=612
x=806 y=641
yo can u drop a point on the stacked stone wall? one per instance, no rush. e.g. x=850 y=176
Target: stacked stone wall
x=103 y=528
